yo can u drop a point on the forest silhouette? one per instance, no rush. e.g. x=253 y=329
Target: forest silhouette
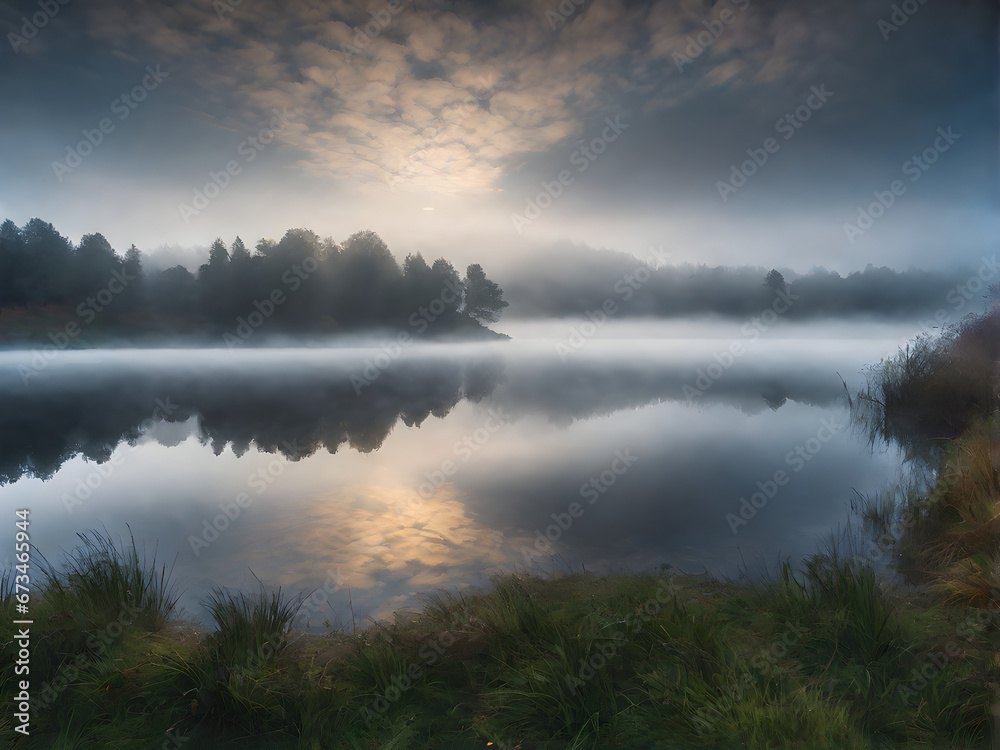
x=299 y=284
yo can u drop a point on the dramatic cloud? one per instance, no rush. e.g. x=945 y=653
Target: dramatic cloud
x=388 y=107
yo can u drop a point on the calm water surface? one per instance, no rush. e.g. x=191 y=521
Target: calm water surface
x=396 y=475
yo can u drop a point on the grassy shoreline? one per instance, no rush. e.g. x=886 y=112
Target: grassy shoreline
x=828 y=657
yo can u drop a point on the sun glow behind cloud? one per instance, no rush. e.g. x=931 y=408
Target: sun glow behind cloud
x=423 y=98
x=471 y=107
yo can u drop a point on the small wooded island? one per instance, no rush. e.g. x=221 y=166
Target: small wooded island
x=75 y=296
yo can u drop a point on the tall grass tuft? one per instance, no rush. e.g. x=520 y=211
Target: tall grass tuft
x=839 y=598
x=250 y=628
x=972 y=582
x=101 y=582
x=234 y=678
x=861 y=623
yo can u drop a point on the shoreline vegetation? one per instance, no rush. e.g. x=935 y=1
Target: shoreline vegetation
x=51 y=327
x=887 y=636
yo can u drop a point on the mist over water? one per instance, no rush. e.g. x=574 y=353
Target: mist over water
x=443 y=462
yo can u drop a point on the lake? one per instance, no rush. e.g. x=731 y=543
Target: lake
x=372 y=473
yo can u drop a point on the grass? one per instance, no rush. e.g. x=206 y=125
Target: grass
x=816 y=656
x=250 y=628
x=946 y=535
x=939 y=399
x=232 y=677
x=100 y=582
x=933 y=389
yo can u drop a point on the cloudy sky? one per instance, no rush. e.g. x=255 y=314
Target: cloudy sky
x=440 y=123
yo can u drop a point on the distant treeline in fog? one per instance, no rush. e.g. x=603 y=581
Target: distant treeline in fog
x=572 y=281
x=300 y=284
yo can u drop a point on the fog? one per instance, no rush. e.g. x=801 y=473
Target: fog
x=445 y=462
x=569 y=280
x=296 y=400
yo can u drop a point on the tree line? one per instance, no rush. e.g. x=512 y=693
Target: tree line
x=568 y=281
x=301 y=283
